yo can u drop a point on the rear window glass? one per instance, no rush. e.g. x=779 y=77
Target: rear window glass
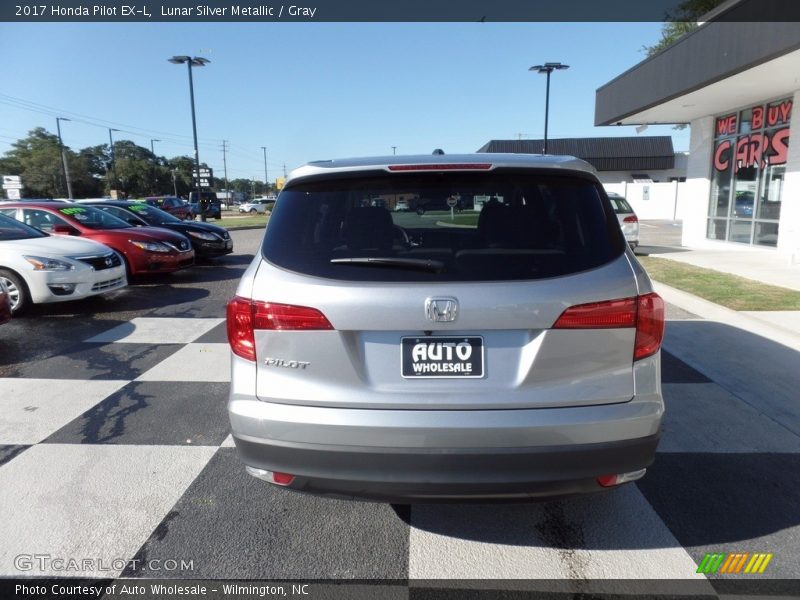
x=620 y=205
x=502 y=226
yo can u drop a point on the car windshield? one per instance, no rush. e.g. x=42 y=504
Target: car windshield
x=11 y=229
x=506 y=225
x=151 y=214
x=93 y=218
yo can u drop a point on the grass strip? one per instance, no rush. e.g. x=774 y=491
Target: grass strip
x=737 y=293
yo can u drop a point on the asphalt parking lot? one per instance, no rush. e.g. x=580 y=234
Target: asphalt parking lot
x=114 y=446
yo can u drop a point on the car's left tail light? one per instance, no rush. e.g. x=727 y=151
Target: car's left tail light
x=631 y=219
x=245 y=316
x=645 y=312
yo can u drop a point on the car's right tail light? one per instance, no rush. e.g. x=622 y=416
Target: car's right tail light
x=245 y=316
x=645 y=313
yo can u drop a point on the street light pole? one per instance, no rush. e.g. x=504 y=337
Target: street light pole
x=64 y=166
x=196 y=61
x=547 y=68
x=113 y=160
x=153 y=152
x=266 y=179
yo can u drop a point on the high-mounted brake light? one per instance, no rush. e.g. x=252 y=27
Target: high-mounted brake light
x=245 y=316
x=443 y=167
x=645 y=313
x=631 y=219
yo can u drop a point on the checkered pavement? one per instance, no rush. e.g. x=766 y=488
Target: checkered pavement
x=119 y=449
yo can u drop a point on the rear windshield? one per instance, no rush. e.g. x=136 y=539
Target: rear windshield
x=443 y=227
x=620 y=205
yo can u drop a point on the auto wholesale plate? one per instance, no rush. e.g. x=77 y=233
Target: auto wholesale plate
x=441 y=357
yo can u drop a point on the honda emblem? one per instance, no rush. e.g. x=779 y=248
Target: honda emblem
x=441 y=309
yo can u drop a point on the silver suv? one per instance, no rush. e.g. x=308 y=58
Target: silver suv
x=510 y=350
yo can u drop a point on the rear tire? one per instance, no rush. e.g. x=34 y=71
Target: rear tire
x=253 y=211
x=17 y=290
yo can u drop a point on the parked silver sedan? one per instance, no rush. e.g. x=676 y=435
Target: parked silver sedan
x=258 y=205
x=514 y=353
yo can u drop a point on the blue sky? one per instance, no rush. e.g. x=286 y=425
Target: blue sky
x=313 y=90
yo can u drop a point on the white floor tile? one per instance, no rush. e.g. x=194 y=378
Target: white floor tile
x=193 y=362
x=607 y=536
x=97 y=502
x=165 y=330
x=32 y=409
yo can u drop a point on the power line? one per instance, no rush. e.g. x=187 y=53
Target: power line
x=94 y=121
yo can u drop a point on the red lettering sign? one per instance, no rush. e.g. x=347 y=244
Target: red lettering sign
x=779 y=113
x=756 y=149
x=780 y=146
x=758 y=117
x=722 y=155
x=726 y=125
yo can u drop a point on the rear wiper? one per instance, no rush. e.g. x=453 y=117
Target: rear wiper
x=419 y=264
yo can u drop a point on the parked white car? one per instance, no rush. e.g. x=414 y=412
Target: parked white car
x=628 y=220
x=38 y=268
x=257 y=205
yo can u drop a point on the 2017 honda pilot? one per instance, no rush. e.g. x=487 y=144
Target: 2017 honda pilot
x=514 y=353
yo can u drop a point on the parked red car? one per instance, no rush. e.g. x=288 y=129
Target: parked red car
x=174 y=206
x=145 y=249
x=5 y=304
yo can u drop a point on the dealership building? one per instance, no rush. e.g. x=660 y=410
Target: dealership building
x=737 y=84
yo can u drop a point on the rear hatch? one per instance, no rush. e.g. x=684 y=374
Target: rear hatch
x=444 y=310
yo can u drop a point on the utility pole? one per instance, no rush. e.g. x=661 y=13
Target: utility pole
x=113 y=160
x=174 y=183
x=394 y=150
x=64 y=157
x=225 y=166
x=284 y=170
x=153 y=152
x=266 y=179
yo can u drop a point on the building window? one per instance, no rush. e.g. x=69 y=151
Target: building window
x=750 y=151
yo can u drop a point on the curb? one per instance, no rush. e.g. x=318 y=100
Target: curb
x=714 y=312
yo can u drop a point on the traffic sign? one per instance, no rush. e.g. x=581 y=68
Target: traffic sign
x=12 y=182
x=451 y=202
x=13 y=194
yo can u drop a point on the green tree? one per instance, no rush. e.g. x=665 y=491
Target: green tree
x=681 y=22
x=37 y=159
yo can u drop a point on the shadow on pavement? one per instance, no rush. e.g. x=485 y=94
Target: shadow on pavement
x=738 y=491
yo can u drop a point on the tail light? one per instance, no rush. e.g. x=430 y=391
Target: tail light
x=649 y=326
x=645 y=313
x=631 y=219
x=245 y=316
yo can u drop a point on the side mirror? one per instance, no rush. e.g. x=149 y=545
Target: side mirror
x=65 y=230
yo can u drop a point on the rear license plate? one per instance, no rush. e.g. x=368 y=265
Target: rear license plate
x=438 y=357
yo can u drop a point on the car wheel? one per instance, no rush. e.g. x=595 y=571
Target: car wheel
x=17 y=291
x=253 y=210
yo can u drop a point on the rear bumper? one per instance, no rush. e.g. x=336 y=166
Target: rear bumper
x=394 y=475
